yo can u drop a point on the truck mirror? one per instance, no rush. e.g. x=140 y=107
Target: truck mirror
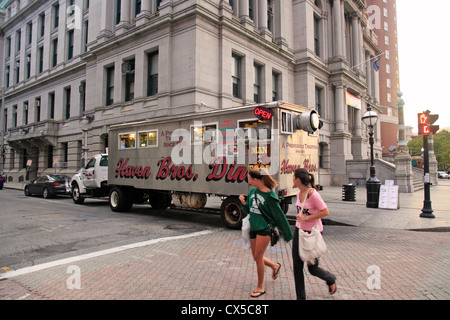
x=308 y=121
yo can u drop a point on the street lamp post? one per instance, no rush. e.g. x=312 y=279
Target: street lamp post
x=370 y=119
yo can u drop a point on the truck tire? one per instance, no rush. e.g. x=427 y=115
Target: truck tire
x=160 y=200
x=120 y=200
x=76 y=196
x=231 y=212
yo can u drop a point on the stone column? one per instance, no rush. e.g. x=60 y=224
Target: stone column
x=339 y=109
x=145 y=14
x=402 y=160
x=368 y=74
x=341 y=143
x=125 y=11
x=106 y=20
x=279 y=25
x=337 y=28
x=262 y=20
x=357 y=139
x=244 y=14
x=124 y=16
x=356 y=42
x=344 y=46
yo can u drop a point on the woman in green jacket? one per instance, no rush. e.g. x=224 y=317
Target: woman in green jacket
x=262 y=200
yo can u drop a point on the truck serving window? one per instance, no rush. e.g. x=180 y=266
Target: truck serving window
x=286 y=122
x=206 y=133
x=253 y=129
x=148 y=138
x=127 y=140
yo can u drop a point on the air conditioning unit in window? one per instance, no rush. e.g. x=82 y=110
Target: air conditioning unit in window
x=127 y=67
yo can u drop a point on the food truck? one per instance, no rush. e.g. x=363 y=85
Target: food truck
x=183 y=160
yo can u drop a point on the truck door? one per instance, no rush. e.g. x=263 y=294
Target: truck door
x=89 y=173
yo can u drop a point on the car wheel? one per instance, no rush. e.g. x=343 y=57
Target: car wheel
x=26 y=191
x=45 y=193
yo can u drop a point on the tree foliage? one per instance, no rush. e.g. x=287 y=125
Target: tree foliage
x=441 y=148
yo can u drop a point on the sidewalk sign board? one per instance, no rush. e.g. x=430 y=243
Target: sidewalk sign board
x=389 y=196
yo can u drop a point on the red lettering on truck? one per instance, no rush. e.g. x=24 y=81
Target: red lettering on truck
x=231 y=174
x=126 y=171
x=173 y=171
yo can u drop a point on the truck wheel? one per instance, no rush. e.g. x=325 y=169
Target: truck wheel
x=76 y=196
x=231 y=212
x=119 y=201
x=160 y=200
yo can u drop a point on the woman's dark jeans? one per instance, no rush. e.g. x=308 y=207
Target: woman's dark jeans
x=312 y=268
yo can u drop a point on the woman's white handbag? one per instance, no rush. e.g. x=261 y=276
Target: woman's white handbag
x=246 y=231
x=311 y=245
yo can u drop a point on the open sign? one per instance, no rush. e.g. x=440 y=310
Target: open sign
x=263 y=113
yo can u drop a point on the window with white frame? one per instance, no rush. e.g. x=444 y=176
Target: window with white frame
x=127 y=140
x=148 y=139
x=287 y=125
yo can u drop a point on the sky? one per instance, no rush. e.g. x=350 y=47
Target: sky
x=423 y=29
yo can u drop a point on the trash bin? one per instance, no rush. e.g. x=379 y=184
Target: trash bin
x=348 y=192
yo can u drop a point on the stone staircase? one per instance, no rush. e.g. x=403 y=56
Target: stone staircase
x=417 y=179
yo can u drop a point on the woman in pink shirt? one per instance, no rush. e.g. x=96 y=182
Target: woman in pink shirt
x=313 y=210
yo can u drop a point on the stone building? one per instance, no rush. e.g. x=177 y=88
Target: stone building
x=385 y=27
x=72 y=68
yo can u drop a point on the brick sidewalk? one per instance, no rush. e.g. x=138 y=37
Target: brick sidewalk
x=216 y=266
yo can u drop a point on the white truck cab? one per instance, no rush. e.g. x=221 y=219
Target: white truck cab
x=92 y=180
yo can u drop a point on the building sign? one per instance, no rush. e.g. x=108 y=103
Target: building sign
x=263 y=113
x=353 y=101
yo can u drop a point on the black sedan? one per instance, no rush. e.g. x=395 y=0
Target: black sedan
x=48 y=186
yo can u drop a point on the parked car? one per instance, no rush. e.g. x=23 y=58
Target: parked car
x=2 y=181
x=48 y=186
x=443 y=175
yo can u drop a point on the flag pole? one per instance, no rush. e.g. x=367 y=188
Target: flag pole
x=368 y=60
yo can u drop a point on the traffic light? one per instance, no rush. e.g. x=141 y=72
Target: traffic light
x=425 y=120
x=432 y=119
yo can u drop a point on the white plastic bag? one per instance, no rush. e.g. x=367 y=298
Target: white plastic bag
x=246 y=231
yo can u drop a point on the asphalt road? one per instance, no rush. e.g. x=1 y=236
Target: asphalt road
x=36 y=230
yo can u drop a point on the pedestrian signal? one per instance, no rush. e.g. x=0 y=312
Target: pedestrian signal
x=425 y=121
